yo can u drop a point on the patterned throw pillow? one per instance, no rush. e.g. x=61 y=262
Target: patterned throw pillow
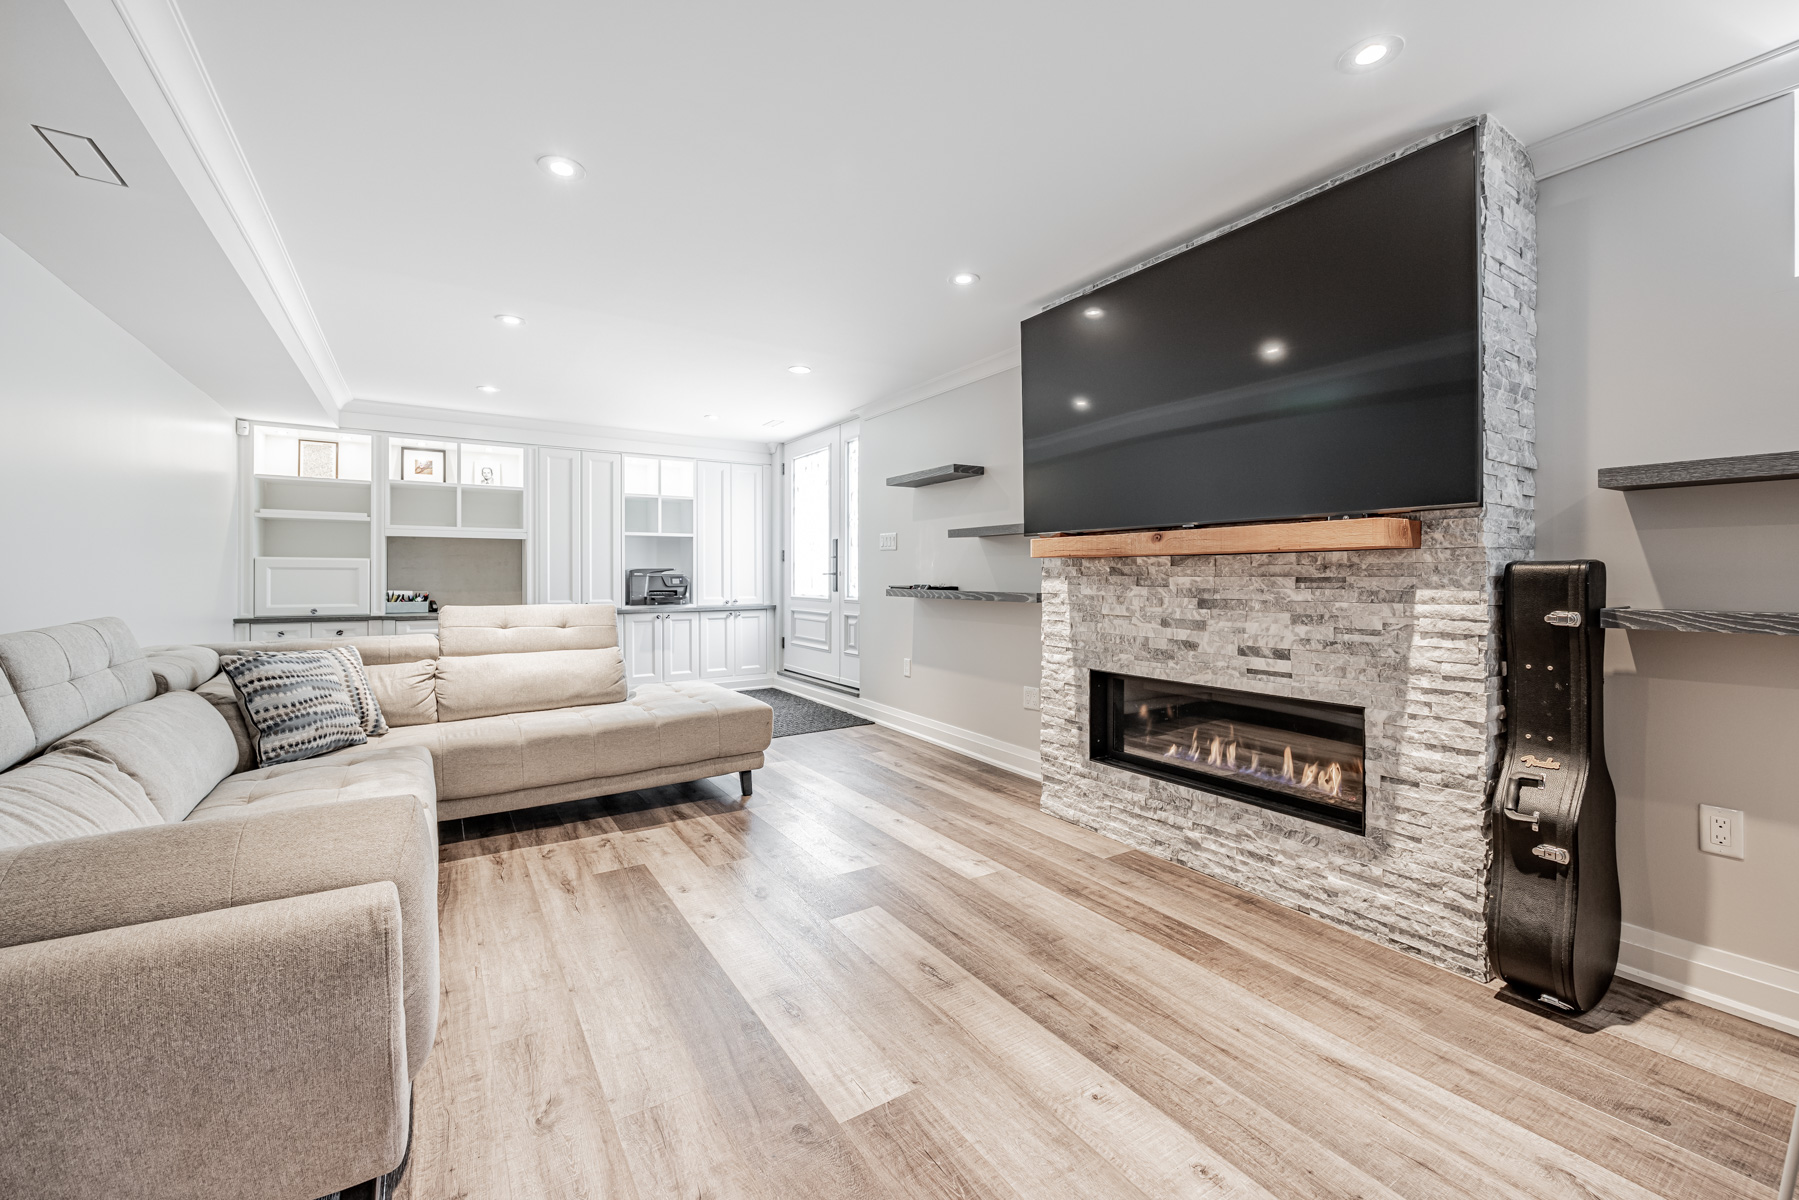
x=297 y=702
x=356 y=682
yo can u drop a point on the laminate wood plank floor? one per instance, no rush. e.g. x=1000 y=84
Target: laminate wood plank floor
x=889 y=974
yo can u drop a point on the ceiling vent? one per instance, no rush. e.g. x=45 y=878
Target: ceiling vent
x=81 y=155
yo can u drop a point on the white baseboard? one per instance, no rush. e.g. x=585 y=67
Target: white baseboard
x=1019 y=760
x=1745 y=987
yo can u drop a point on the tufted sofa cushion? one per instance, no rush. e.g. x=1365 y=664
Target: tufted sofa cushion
x=518 y=628
x=356 y=773
x=61 y=678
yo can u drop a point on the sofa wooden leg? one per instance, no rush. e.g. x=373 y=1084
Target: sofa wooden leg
x=743 y=777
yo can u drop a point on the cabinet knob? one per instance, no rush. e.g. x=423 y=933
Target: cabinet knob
x=281 y=633
x=315 y=612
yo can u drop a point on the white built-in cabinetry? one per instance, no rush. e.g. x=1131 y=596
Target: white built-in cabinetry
x=721 y=645
x=731 y=538
x=322 y=551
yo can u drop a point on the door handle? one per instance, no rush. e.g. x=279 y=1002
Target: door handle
x=833 y=571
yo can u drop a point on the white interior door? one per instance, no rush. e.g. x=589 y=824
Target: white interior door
x=813 y=578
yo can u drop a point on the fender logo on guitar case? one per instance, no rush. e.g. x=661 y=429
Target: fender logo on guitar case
x=1547 y=764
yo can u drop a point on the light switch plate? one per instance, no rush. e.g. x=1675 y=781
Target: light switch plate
x=1721 y=831
x=890 y=541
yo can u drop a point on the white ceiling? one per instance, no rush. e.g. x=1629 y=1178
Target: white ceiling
x=788 y=182
x=141 y=253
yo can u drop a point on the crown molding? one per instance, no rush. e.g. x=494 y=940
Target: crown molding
x=387 y=417
x=146 y=46
x=974 y=372
x=1733 y=89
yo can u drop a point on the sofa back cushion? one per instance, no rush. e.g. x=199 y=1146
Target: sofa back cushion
x=221 y=693
x=485 y=685
x=389 y=648
x=67 y=793
x=176 y=748
x=61 y=678
x=406 y=692
x=524 y=628
x=181 y=668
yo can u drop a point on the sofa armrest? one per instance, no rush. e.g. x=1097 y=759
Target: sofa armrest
x=251 y=1051
x=110 y=880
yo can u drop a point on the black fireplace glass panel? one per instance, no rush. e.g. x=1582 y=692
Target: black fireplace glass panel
x=1302 y=757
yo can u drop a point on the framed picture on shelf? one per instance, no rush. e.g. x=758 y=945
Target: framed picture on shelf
x=422 y=466
x=318 y=460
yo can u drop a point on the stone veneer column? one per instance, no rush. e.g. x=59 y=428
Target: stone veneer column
x=1409 y=635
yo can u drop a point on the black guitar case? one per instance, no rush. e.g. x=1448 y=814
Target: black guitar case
x=1554 y=909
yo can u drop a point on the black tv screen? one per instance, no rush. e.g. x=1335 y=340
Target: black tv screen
x=1319 y=361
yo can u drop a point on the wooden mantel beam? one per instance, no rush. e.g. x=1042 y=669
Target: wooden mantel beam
x=1360 y=533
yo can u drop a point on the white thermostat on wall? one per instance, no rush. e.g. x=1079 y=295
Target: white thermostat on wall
x=890 y=541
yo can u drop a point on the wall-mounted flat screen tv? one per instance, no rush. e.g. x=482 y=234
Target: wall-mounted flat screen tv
x=1319 y=361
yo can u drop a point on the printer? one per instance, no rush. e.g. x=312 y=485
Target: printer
x=655 y=585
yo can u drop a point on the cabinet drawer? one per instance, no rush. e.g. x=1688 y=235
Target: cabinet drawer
x=297 y=631
x=340 y=629
x=415 y=626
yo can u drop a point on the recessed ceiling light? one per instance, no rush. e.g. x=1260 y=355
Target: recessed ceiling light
x=1370 y=53
x=800 y=369
x=709 y=416
x=964 y=278
x=772 y=424
x=1082 y=403
x=1272 y=350
x=509 y=320
x=560 y=167
x=1094 y=313
x=489 y=388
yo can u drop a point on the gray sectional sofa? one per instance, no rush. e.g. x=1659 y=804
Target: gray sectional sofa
x=219 y=979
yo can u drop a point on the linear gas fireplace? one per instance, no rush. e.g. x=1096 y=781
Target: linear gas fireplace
x=1297 y=756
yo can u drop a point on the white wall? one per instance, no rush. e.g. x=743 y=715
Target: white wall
x=1669 y=329
x=116 y=474
x=970 y=661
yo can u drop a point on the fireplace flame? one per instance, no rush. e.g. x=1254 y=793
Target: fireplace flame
x=1287 y=764
x=1322 y=777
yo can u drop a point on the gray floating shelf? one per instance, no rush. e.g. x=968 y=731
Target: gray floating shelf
x=935 y=475
x=990 y=531
x=1697 y=472
x=958 y=594
x=1691 y=620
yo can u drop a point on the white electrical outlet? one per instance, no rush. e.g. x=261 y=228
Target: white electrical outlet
x=1032 y=700
x=906 y=667
x=890 y=541
x=1721 y=830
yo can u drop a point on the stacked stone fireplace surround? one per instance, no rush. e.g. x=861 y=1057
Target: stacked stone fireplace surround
x=1411 y=636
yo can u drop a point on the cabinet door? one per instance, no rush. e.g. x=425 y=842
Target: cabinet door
x=749 y=642
x=601 y=580
x=557 y=555
x=680 y=647
x=638 y=638
x=747 y=544
x=311 y=587
x=716 y=650
x=712 y=534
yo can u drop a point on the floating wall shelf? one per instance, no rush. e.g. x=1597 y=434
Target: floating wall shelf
x=1693 y=620
x=959 y=594
x=935 y=475
x=989 y=531
x=1697 y=472
x=299 y=514
x=1361 y=533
